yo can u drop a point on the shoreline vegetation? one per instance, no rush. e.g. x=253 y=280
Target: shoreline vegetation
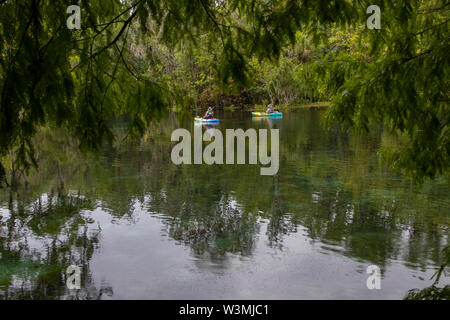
x=258 y=107
x=315 y=105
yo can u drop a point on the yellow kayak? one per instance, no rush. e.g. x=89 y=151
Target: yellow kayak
x=265 y=114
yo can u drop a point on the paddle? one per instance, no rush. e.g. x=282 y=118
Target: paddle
x=212 y=109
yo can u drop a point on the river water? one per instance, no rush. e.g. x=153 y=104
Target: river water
x=140 y=227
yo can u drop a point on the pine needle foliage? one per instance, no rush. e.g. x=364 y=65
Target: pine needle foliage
x=82 y=80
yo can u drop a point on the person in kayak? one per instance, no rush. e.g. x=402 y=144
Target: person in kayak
x=269 y=109
x=209 y=114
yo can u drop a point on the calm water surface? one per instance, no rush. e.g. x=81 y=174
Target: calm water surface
x=141 y=227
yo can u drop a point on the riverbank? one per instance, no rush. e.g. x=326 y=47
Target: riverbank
x=260 y=107
x=314 y=105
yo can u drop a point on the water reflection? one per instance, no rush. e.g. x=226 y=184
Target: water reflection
x=39 y=240
x=331 y=200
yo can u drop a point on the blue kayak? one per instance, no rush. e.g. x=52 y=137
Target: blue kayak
x=198 y=119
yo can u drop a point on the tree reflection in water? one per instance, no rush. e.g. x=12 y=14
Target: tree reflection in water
x=330 y=185
x=39 y=240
